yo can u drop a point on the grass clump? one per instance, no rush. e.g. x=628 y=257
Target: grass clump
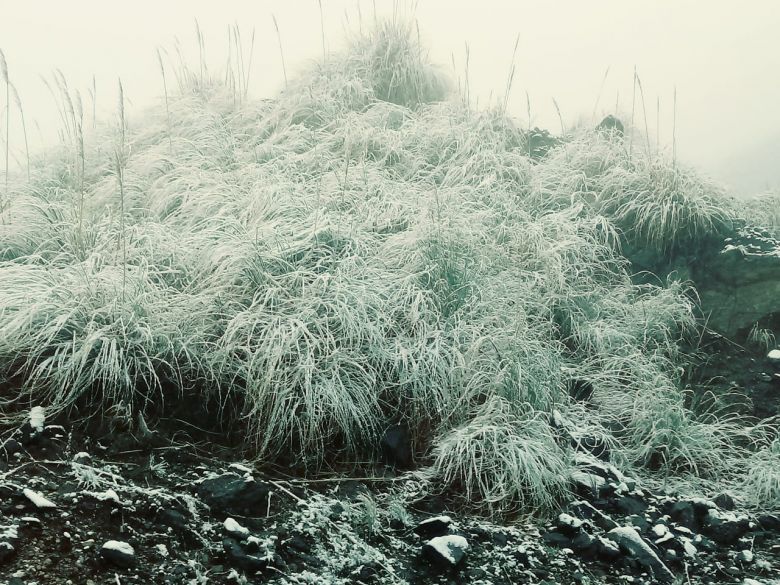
x=761 y=483
x=503 y=460
x=395 y=64
x=662 y=206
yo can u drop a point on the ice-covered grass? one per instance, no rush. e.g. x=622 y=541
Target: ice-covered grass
x=362 y=250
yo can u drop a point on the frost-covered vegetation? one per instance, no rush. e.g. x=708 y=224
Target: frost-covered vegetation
x=363 y=250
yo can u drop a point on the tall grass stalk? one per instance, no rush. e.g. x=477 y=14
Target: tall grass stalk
x=167 y=106
x=281 y=50
x=644 y=114
x=120 y=162
x=6 y=80
x=18 y=102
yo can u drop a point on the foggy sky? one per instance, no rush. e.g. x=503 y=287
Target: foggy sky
x=722 y=57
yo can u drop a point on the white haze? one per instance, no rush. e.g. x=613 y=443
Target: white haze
x=722 y=58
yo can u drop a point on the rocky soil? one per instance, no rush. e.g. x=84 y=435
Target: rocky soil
x=78 y=510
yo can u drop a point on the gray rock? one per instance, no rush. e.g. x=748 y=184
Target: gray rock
x=118 y=553
x=233 y=492
x=238 y=557
x=585 y=511
x=629 y=540
x=431 y=527
x=446 y=551
x=725 y=527
x=740 y=284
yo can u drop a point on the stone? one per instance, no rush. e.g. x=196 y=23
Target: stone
x=607 y=549
x=7 y=552
x=396 y=447
x=585 y=511
x=745 y=557
x=569 y=525
x=590 y=486
x=629 y=540
x=10 y=447
x=446 y=551
x=231 y=492
x=769 y=522
x=431 y=527
x=631 y=504
x=725 y=527
x=118 y=553
x=724 y=501
x=738 y=284
x=238 y=557
x=611 y=125
x=235 y=530
x=556 y=539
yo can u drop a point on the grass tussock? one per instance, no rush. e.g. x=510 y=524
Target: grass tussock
x=359 y=251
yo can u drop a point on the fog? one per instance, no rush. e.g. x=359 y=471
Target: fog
x=722 y=62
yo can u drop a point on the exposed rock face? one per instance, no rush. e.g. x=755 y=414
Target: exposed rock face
x=740 y=284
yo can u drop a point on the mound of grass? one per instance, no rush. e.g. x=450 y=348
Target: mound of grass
x=357 y=252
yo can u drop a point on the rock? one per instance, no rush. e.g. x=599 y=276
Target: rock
x=611 y=126
x=724 y=501
x=38 y=500
x=724 y=527
x=590 y=486
x=689 y=512
x=745 y=557
x=431 y=527
x=774 y=356
x=233 y=492
x=585 y=511
x=540 y=142
x=628 y=539
x=739 y=283
x=396 y=447
x=238 y=557
x=118 y=553
x=446 y=551
x=606 y=549
x=584 y=544
x=10 y=447
x=9 y=539
x=172 y=518
x=556 y=539
x=769 y=522
x=235 y=529
x=631 y=504
x=569 y=525
x=609 y=472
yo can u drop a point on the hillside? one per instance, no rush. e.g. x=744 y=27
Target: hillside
x=367 y=278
